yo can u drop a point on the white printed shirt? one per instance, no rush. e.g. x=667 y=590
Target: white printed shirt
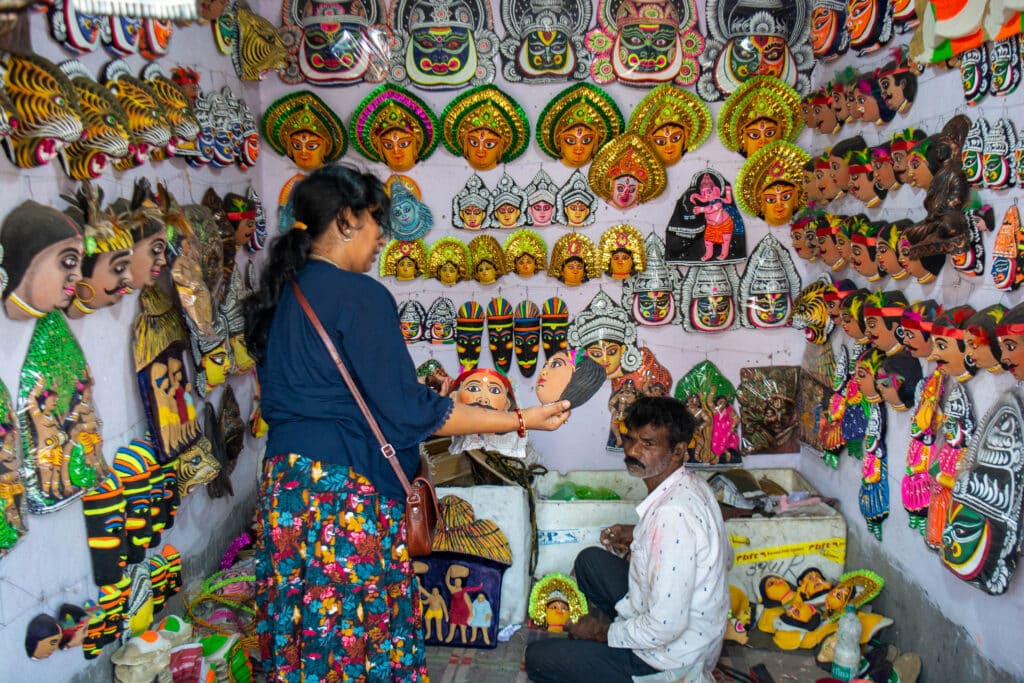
x=674 y=613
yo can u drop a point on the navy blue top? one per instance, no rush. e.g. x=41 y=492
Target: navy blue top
x=305 y=401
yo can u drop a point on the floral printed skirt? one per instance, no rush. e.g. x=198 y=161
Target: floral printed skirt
x=335 y=591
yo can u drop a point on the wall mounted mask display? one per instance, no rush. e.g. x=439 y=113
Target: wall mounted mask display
x=525 y=253
x=60 y=432
x=335 y=43
x=762 y=110
x=526 y=337
x=554 y=323
x=672 y=121
x=810 y=312
x=996 y=155
x=887 y=249
x=900 y=145
x=862 y=179
x=826 y=230
x=148 y=122
x=650 y=379
x=156 y=37
x=237 y=221
x=605 y=332
x=574 y=260
x=982 y=531
x=45 y=106
x=768 y=419
x=410 y=218
x=975 y=74
x=134 y=465
x=443 y=44
x=622 y=252
x=924 y=269
x=125 y=34
x=827 y=190
x=897 y=81
x=948 y=347
x=12 y=490
x=541 y=195
x=707 y=298
x=830 y=38
x=405 y=260
x=864 y=247
x=486 y=127
x=747 y=39
x=576 y=203
x=884 y=175
x=255 y=46
x=626 y=172
x=821 y=116
x=969 y=256
x=394 y=126
x=543 y=41
x=40 y=262
x=870 y=25
x=508 y=204
x=412 y=320
x=883 y=315
x=769 y=184
x=650 y=294
x=769 y=285
x=801 y=236
x=471 y=204
x=184 y=124
x=499 y=335
x=77 y=31
x=1005 y=58
x=578 y=122
x=916 y=321
x=645 y=42
x=469 y=330
x=104 y=510
x=486 y=259
x=105 y=123
x=983 y=350
x=974 y=145
x=851 y=316
x=1008 y=252
x=441 y=321
x=709 y=397
x=448 y=261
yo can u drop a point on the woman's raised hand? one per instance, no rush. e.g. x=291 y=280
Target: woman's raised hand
x=548 y=417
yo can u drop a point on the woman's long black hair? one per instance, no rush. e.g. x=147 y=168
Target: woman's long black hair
x=316 y=202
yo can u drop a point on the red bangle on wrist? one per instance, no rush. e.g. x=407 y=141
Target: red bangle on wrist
x=522 y=423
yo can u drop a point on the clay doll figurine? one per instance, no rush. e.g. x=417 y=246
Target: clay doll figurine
x=710 y=202
x=42 y=637
x=1010 y=333
x=874 y=487
x=982 y=344
x=883 y=312
x=863 y=247
x=886 y=249
x=569 y=376
x=948 y=346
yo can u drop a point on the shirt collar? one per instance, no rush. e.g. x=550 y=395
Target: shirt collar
x=661 y=491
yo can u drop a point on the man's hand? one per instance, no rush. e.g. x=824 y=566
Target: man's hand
x=617 y=538
x=588 y=628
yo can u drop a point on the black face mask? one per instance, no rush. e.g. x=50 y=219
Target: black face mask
x=469 y=331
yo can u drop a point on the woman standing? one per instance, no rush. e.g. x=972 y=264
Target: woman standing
x=335 y=589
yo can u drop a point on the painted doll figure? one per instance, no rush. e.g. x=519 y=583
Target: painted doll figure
x=508 y=204
x=626 y=173
x=705 y=224
x=916 y=321
x=448 y=261
x=485 y=126
x=982 y=344
x=470 y=205
x=525 y=253
x=883 y=314
x=769 y=184
x=487 y=261
x=897 y=379
x=864 y=374
x=394 y=126
x=41 y=261
x=577 y=123
x=711 y=203
x=948 y=345
x=576 y=203
x=724 y=424
x=873 y=496
x=622 y=252
x=54 y=445
x=404 y=260
x=761 y=111
x=672 y=121
x=541 y=195
x=574 y=260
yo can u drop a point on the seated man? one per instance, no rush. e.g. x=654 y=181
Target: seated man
x=666 y=596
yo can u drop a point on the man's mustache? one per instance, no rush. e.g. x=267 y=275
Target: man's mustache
x=632 y=461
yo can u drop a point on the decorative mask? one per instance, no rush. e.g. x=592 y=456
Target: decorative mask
x=981 y=340
x=864 y=246
x=883 y=314
x=543 y=41
x=829 y=35
x=148 y=123
x=1008 y=252
x=577 y=123
x=645 y=42
x=769 y=184
x=649 y=294
x=650 y=379
x=869 y=23
x=886 y=249
x=851 y=316
x=184 y=124
x=996 y=157
x=576 y=203
x=746 y=40
x=44 y=105
x=248 y=147
x=1005 y=59
x=555 y=600
x=442 y=44
x=824 y=116
x=469 y=330
x=897 y=380
x=410 y=218
x=258 y=48
x=810 y=311
x=900 y=146
x=974 y=145
x=574 y=259
x=948 y=347
x=471 y=204
x=448 y=261
x=433 y=375
x=975 y=74
x=196 y=467
x=125 y=33
x=863 y=184
x=156 y=37
x=40 y=260
x=672 y=121
x=104 y=509
x=441 y=321
x=487 y=260
x=605 y=332
x=525 y=253
x=303 y=128
x=541 y=195
x=706 y=297
x=622 y=252
x=485 y=126
x=924 y=269
x=762 y=110
x=801 y=235
x=134 y=465
x=626 y=173
x=916 y=322
x=897 y=82
x=969 y=259
x=394 y=126
x=77 y=31
x=827 y=189
x=569 y=375
x=499 y=333
x=105 y=123
x=769 y=285
x=1010 y=333
x=225 y=111
x=405 y=260
x=258 y=239
x=705 y=224
x=42 y=637
x=526 y=336
x=12 y=488
x=333 y=42
x=826 y=232
x=554 y=323
x=197 y=272
x=412 y=320
x=709 y=397
x=508 y=204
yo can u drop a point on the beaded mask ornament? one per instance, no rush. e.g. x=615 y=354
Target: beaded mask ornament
x=705 y=224
x=525 y=253
x=412 y=320
x=105 y=123
x=650 y=294
x=622 y=252
x=471 y=205
x=709 y=397
x=12 y=488
x=508 y=204
x=769 y=285
x=442 y=44
x=526 y=336
x=706 y=297
x=770 y=183
x=606 y=333
x=747 y=39
x=645 y=42
x=554 y=323
x=335 y=42
x=810 y=313
x=404 y=260
x=541 y=195
x=762 y=110
x=576 y=203
x=574 y=260
x=448 y=261
x=469 y=330
x=672 y=121
x=441 y=321
x=626 y=172
x=394 y=126
x=500 y=318
x=486 y=127
x=543 y=40
x=487 y=260
x=577 y=123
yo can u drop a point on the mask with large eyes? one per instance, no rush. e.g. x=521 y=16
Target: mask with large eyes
x=334 y=53
x=1006 y=66
x=104 y=509
x=996 y=157
x=554 y=325
x=441 y=55
x=648 y=48
x=526 y=337
x=499 y=333
x=546 y=53
x=975 y=74
x=757 y=55
x=769 y=310
x=828 y=32
x=654 y=308
x=712 y=313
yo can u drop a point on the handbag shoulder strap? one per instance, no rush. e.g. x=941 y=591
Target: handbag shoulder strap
x=386 y=448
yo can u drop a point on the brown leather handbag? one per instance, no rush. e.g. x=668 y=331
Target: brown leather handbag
x=421 y=510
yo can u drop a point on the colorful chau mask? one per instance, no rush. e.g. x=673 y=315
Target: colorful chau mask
x=626 y=173
x=973 y=147
x=448 y=261
x=762 y=110
x=508 y=204
x=975 y=74
x=1005 y=59
x=897 y=82
x=499 y=332
x=487 y=261
x=1008 y=252
x=801 y=234
x=606 y=333
x=105 y=123
x=184 y=125
x=577 y=123
x=412 y=320
x=706 y=296
x=769 y=285
x=948 y=347
x=441 y=321
x=869 y=23
x=862 y=179
x=644 y=42
x=544 y=42
x=526 y=336
x=770 y=185
x=525 y=253
x=897 y=380
x=104 y=509
x=883 y=315
x=829 y=35
x=980 y=337
x=106 y=261
x=470 y=205
x=900 y=146
x=486 y=127
x=810 y=311
x=258 y=48
x=406 y=260
x=576 y=203
x=884 y=175
x=574 y=259
x=863 y=246
x=486 y=388
x=148 y=122
x=851 y=316
x=554 y=322
x=996 y=156
x=541 y=195
x=410 y=218
x=394 y=126
x=650 y=294
x=705 y=224
x=469 y=330
x=916 y=321
x=924 y=269
x=826 y=232
x=672 y=121
x=621 y=251
x=442 y=45
x=77 y=31
x=339 y=43
x=303 y=128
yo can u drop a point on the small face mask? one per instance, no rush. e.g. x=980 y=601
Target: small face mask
x=499 y=333
x=554 y=323
x=526 y=337
x=469 y=330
